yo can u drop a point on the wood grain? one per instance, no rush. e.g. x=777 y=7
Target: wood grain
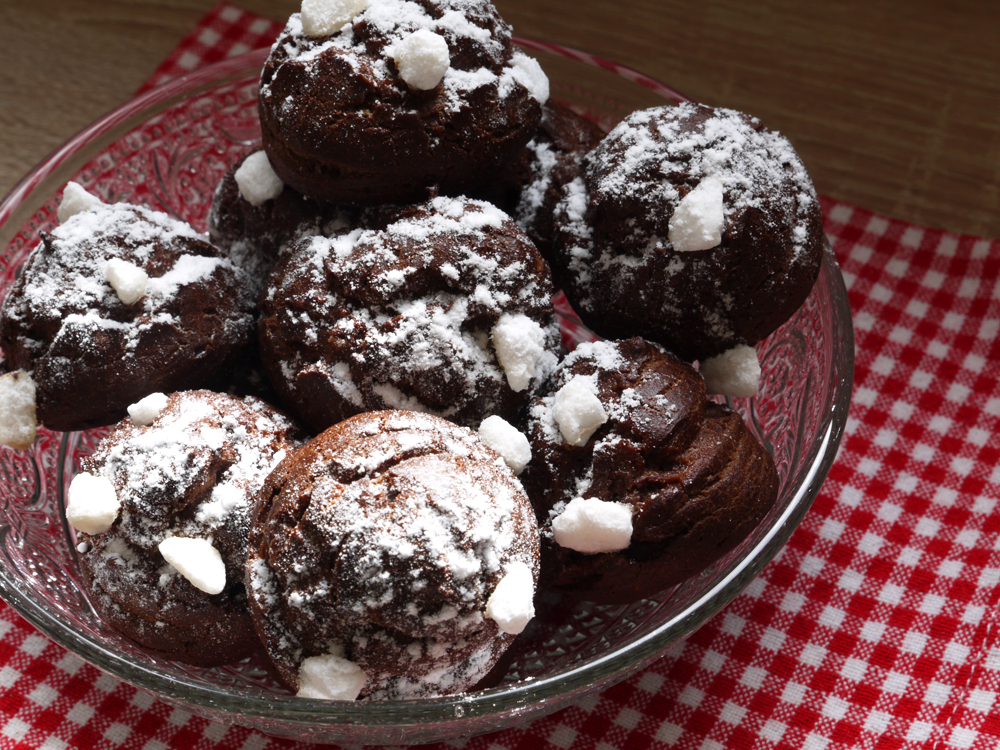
x=894 y=106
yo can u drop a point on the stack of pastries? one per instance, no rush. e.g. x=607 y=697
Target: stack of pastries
x=346 y=430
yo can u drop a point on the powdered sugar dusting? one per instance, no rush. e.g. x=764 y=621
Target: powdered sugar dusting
x=66 y=277
x=409 y=308
x=419 y=522
x=150 y=465
x=710 y=181
x=746 y=161
x=457 y=22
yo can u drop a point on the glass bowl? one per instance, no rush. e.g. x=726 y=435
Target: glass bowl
x=167 y=149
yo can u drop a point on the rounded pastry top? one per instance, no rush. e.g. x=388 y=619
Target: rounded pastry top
x=119 y=301
x=405 y=98
x=190 y=465
x=163 y=511
x=383 y=541
x=611 y=417
x=479 y=43
x=442 y=307
x=692 y=226
x=655 y=157
x=638 y=482
x=68 y=272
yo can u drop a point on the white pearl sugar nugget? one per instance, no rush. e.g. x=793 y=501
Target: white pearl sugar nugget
x=592 y=525
x=698 y=220
x=145 y=411
x=127 y=279
x=92 y=504
x=511 y=605
x=256 y=179
x=18 y=424
x=422 y=59
x=507 y=440
x=528 y=72
x=75 y=200
x=197 y=560
x=735 y=372
x=324 y=17
x=578 y=411
x=519 y=342
x=330 y=677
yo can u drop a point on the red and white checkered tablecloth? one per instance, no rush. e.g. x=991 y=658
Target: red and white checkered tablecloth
x=875 y=627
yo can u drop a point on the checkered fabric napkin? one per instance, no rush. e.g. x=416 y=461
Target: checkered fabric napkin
x=875 y=627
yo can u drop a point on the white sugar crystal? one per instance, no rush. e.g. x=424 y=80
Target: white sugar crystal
x=17 y=417
x=578 y=411
x=197 y=560
x=511 y=605
x=698 y=220
x=735 y=372
x=92 y=504
x=146 y=410
x=256 y=179
x=75 y=200
x=528 y=72
x=331 y=678
x=520 y=345
x=422 y=59
x=507 y=440
x=324 y=17
x=127 y=279
x=592 y=525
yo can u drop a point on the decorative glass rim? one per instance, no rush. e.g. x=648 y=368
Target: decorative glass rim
x=512 y=699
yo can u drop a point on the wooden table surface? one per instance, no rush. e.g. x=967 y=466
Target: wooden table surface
x=893 y=105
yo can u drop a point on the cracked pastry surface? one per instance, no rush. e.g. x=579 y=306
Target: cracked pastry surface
x=400 y=311
x=90 y=353
x=192 y=473
x=381 y=541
